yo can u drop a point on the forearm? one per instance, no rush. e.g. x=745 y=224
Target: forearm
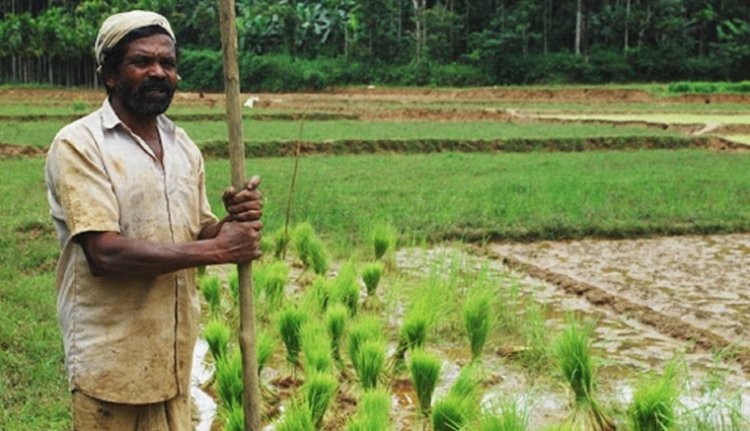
x=110 y=254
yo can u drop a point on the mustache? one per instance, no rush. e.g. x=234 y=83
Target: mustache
x=150 y=84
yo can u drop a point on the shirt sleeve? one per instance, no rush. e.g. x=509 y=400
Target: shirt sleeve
x=82 y=187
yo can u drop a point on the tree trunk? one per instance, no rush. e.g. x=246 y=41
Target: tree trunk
x=627 y=25
x=579 y=26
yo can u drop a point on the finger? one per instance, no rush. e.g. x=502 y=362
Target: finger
x=253 y=183
x=229 y=192
x=245 y=196
x=248 y=216
x=251 y=205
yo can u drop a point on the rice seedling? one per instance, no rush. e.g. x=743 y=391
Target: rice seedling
x=414 y=328
x=234 y=418
x=477 y=319
x=234 y=286
x=310 y=248
x=449 y=414
x=290 y=323
x=297 y=417
x=425 y=370
x=229 y=379
x=371 y=276
x=318 y=390
x=217 y=334
x=264 y=347
x=536 y=355
x=210 y=286
x=572 y=351
x=508 y=415
x=270 y=278
x=372 y=414
x=335 y=318
x=318 y=295
x=316 y=347
x=466 y=387
x=383 y=238
x=653 y=404
x=345 y=288
x=267 y=245
x=369 y=361
x=364 y=329
x=454 y=411
x=281 y=240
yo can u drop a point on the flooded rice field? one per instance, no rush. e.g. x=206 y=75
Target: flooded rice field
x=693 y=282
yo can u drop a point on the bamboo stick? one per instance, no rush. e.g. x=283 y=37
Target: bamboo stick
x=251 y=396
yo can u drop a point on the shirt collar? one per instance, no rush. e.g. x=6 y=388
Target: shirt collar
x=110 y=120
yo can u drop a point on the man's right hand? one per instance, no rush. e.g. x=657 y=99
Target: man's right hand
x=240 y=241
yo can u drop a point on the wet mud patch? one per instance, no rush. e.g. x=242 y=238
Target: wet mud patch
x=690 y=287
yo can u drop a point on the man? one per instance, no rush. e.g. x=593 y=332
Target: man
x=126 y=190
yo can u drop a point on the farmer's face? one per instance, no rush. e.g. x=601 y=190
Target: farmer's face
x=147 y=77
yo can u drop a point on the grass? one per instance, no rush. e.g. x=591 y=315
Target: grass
x=372 y=414
x=217 y=334
x=316 y=347
x=319 y=390
x=270 y=278
x=512 y=196
x=41 y=133
x=210 y=286
x=369 y=361
x=477 y=312
x=297 y=417
x=229 y=384
x=508 y=415
x=310 y=248
x=424 y=369
x=336 y=317
x=578 y=367
x=371 y=273
x=654 y=402
x=383 y=237
x=345 y=288
x=290 y=321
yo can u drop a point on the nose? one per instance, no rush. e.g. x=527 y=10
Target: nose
x=157 y=71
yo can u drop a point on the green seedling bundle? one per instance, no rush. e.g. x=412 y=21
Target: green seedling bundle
x=336 y=317
x=319 y=390
x=217 y=334
x=310 y=248
x=424 y=369
x=373 y=413
x=345 y=288
x=371 y=274
x=210 y=286
x=290 y=321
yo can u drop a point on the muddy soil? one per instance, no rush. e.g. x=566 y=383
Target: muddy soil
x=692 y=287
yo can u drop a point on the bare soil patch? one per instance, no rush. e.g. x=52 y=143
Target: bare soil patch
x=692 y=287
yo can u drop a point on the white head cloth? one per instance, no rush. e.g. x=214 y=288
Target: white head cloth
x=119 y=25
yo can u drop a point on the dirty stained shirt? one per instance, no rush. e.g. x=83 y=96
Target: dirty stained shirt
x=127 y=339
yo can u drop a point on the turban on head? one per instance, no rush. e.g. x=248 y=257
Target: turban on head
x=119 y=25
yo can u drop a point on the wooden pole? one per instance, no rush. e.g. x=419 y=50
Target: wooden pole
x=251 y=395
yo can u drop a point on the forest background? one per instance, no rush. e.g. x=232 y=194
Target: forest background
x=293 y=45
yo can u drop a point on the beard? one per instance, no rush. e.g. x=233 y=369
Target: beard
x=152 y=97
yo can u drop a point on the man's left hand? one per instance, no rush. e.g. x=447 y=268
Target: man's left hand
x=245 y=205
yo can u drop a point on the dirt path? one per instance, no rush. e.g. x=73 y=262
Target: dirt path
x=692 y=288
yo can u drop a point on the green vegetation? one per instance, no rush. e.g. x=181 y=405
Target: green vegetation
x=319 y=390
x=578 y=367
x=653 y=405
x=210 y=286
x=290 y=324
x=270 y=278
x=383 y=238
x=372 y=415
x=345 y=288
x=425 y=370
x=371 y=276
x=477 y=311
x=461 y=405
x=513 y=196
x=368 y=361
x=509 y=415
x=316 y=347
x=297 y=417
x=310 y=248
x=229 y=379
x=709 y=87
x=336 y=317
x=217 y=333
